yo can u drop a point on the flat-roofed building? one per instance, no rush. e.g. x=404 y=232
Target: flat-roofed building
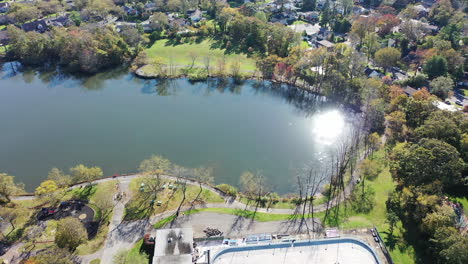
x=173 y=246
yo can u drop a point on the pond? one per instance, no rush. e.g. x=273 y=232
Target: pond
x=115 y=120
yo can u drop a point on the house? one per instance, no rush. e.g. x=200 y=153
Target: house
x=130 y=11
x=321 y=3
x=178 y=22
x=325 y=43
x=4 y=38
x=359 y=10
x=151 y=6
x=421 y=11
x=38 y=26
x=309 y=29
x=195 y=15
x=62 y=21
x=409 y=90
x=285 y=18
x=4 y=7
x=372 y=73
x=430 y=29
x=312 y=16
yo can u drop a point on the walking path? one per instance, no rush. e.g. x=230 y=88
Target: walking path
x=231 y=203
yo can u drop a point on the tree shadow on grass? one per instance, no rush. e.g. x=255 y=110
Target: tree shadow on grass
x=84 y=193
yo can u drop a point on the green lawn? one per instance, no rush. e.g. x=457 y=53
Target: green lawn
x=97 y=242
x=383 y=185
x=299 y=22
x=139 y=206
x=180 y=54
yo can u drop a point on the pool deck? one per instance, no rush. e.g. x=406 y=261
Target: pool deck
x=348 y=253
x=321 y=251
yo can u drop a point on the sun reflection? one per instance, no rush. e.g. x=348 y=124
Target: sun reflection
x=328 y=126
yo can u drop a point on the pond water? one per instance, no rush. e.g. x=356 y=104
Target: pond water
x=115 y=120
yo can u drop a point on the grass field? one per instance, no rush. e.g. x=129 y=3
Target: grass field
x=180 y=54
x=139 y=206
x=97 y=242
x=383 y=185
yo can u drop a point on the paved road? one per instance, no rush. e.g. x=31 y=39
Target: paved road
x=236 y=226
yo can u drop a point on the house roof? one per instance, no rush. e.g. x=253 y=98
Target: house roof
x=409 y=90
x=4 y=38
x=38 y=25
x=4 y=5
x=173 y=246
x=325 y=43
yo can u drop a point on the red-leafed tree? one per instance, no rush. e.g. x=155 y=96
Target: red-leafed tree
x=386 y=23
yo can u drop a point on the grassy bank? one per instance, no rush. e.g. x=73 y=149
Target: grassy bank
x=140 y=207
x=194 y=55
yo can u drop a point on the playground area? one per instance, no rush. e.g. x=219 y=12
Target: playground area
x=77 y=209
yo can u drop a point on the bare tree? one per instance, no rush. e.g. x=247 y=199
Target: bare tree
x=193 y=56
x=344 y=159
x=171 y=65
x=203 y=175
x=207 y=63
x=221 y=64
x=309 y=183
x=179 y=172
x=254 y=186
x=235 y=69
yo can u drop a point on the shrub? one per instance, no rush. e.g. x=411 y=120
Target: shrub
x=228 y=189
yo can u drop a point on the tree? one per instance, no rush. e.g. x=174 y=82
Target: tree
x=361 y=27
x=436 y=66
x=60 y=178
x=442 y=126
x=387 y=57
x=309 y=5
x=8 y=187
x=441 y=12
x=396 y=129
x=70 y=233
x=23 y=12
x=9 y=215
x=203 y=175
x=159 y=21
x=155 y=165
x=427 y=162
x=46 y=187
x=86 y=174
x=451 y=245
x=441 y=217
x=386 y=23
x=371 y=44
x=267 y=66
x=253 y=185
x=412 y=30
x=441 y=86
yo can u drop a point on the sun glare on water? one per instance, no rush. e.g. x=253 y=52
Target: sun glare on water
x=328 y=126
